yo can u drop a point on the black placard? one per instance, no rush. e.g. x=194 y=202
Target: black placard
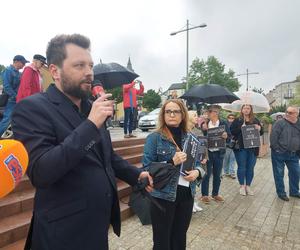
x=251 y=137
x=202 y=147
x=191 y=148
x=214 y=137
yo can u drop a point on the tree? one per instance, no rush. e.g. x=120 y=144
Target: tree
x=151 y=100
x=280 y=108
x=117 y=94
x=2 y=68
x=212 y=71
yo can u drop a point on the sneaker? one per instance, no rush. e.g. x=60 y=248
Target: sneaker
x=218 y=198
x=126 y=136
x=283 y=197
x=131 y=135
x=243 y=191
x=233 y=176
x=194 y=209
x=205 y=199
x=249 y=191
x=197 y=207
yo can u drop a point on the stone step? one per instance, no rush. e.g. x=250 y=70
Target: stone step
x=14 y=228
x=16 y=203
x=123 y=151
x=134 y=158
x=18 y=245
x=128 y=142
x=24 y=184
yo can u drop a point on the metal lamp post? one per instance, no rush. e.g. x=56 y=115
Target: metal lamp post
x=187 y=45
x=247 y=74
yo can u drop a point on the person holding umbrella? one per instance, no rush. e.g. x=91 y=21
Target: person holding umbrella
x=165 y=145
x=245 y=157
x=130 y=104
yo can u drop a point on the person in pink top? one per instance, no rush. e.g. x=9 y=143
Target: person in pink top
x=31 y=79
x=129 y=104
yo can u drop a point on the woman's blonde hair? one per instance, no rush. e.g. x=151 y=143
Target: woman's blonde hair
x=191 y=124
x=161 y=118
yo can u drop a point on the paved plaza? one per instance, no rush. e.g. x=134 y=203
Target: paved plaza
x=261 y=221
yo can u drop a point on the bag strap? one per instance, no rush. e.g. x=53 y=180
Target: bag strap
x=170 y=137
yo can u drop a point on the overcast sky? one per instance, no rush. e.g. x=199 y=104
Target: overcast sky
x=262 y=36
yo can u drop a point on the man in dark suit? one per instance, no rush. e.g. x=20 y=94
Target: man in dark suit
x=72 y=163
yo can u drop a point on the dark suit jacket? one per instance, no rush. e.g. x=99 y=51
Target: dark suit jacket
x=73 y=167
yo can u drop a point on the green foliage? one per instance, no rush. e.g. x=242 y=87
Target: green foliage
x=117 y=94
x=280 y=108
x=212 y=71
x=264 y=118
x=151 y=100
x=296 y=100
x=2 y=68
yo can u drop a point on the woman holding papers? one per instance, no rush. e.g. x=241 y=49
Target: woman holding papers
x=216 y=152
x=166 y=145
x=245 y=156
x=193 y=121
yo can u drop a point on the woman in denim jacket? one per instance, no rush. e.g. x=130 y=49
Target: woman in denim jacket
x=165 y=145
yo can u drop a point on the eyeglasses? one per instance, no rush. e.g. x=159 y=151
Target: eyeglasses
x=214 y=111
x=290 y=112
x=174 y=112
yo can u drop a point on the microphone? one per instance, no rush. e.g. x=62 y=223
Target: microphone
x=97 y=91
x=13 y=165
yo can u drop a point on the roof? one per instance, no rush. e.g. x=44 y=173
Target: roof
x=176 y=86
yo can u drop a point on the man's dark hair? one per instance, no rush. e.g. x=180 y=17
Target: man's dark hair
x=56 y=50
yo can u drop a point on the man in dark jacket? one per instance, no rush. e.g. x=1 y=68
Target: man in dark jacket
x=285 y=145
x=72 y=163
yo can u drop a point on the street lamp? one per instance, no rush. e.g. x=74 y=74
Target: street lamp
x=247 y=74
x=187 y=45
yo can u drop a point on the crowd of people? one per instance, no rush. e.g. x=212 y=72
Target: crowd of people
x=18 y=86
x=74 y=167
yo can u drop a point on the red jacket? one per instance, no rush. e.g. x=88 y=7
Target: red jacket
x=127 y=88
x=30 y=83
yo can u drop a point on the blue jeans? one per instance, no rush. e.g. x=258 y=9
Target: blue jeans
x=229 y=162
x=214 y=166
x=291 y=160
x=246 y=161
x=128 y=120
x=6 y=116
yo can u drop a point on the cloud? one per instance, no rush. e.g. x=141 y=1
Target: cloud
x=259 y=35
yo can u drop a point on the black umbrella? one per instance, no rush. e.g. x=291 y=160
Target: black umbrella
x=140 y=199
x=113 y=75
x=209 y=93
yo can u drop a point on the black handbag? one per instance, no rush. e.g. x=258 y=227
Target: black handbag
x=161 y=173
x=3 y=99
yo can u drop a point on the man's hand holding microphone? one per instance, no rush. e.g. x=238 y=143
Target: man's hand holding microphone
x=102 y=108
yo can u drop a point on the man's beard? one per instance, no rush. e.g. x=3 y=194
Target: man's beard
x=73 y=88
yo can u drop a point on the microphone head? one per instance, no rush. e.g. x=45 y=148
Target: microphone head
x=13 y=165
x=97 y=89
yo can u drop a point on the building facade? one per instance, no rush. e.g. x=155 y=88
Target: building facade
x=283 y=93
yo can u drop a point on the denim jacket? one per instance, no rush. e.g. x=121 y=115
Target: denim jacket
x=159 y=149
